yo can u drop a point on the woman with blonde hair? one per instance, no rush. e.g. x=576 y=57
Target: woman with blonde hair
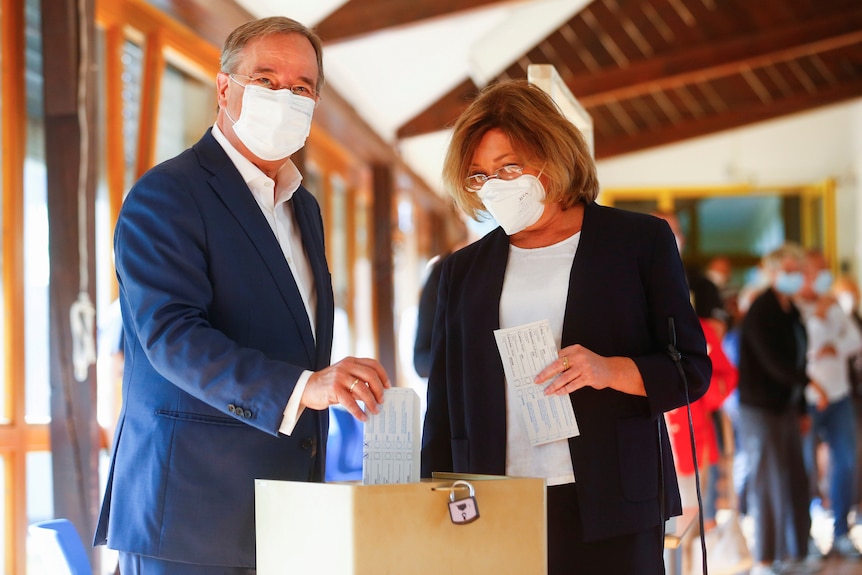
x=612 y=287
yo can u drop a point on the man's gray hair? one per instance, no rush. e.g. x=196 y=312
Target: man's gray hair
x=237 y=40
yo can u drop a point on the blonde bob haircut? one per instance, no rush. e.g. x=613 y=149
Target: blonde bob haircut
x=539 y=133
x=233 y=46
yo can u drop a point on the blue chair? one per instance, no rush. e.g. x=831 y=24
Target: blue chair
x=344 y=446
x=58 y=547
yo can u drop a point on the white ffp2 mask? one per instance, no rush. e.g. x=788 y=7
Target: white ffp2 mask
x=515 y=204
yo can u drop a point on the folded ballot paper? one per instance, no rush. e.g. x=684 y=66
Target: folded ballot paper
x=526 y=350
x=391 y=443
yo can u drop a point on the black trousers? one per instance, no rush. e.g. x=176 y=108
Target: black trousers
x=640 y=553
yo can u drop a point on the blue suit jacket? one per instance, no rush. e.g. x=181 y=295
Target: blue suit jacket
x=216 y=336
x=626 y=281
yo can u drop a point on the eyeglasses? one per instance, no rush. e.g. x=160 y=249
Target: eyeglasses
x=475 y=182
x=265 y=81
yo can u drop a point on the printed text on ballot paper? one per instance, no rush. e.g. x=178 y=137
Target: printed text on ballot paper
x=526 y=350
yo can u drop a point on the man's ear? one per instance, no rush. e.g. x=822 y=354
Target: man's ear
x=222 y=84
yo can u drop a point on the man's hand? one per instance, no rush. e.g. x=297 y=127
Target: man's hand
x=347 y=382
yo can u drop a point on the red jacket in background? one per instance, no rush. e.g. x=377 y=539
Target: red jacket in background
x=723 y=382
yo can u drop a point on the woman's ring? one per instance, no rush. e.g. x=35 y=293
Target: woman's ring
x=565 y=363
x=352 y=385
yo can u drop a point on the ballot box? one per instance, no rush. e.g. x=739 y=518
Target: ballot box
x=402 y=529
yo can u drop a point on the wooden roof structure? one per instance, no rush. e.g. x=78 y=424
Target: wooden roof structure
x=649 y=72
x=653 y=72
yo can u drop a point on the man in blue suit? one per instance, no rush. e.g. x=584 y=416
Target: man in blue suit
x=228 y=315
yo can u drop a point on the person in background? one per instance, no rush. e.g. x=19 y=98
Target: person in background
x=227 y=310
x=772 y=380
x=719 y=271
x=428 y=296
x=706 y=294
x=425 y=316
x=730 y=345
x=723 y=382
x=709 y=307
x=613 y=288
x=833 y=339
x=703 y=292
x=846 y=292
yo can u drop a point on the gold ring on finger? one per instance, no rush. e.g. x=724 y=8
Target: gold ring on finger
x=352 y=385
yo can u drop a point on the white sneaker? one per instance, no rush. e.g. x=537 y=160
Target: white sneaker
x=844 y=547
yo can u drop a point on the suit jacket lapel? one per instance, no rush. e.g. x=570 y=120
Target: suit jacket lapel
x=488 y=271
x=583 y=261
x=311 y=228
x=230 y=187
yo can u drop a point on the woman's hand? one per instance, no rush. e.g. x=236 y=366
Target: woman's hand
x=577 y=367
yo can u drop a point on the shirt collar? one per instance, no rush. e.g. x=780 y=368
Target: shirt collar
x=288 y=177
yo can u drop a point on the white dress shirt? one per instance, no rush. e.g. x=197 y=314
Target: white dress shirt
x=272 y=197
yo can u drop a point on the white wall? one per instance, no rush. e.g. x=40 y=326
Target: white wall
x=800 y=149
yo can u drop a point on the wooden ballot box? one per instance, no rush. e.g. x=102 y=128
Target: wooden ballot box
x=401 y=529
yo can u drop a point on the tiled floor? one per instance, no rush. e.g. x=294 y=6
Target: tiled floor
x=821 y=530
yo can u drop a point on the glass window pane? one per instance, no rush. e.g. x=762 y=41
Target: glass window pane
x=109 y=326
x=133 y=65
x=3 y=398
x=186 y=109
x=741 y=226
x=336 y=237
x=40 y=506
x=36 y=262
x=40 y=486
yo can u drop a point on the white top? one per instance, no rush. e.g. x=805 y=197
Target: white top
x=279 y=214
x=830 y=371
x=536 y=287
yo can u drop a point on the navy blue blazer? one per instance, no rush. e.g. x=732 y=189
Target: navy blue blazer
x=627 y=279
x=216 y=337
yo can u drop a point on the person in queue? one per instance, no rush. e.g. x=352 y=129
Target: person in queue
x=612 y=285
x=773 y=417
x=833 y=339
x=228 y=310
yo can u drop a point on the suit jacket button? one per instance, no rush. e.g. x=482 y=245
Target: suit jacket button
x=231 y=408
x=247 y=414
x=307 y=443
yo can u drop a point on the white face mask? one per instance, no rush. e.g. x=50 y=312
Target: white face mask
x=273 y=124
x=789 y=283
x=515 y=204
x=823 y=282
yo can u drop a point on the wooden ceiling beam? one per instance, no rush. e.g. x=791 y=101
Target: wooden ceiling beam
x=360 y=17
x=721 y=59
x=695 y=65
x=734 y=118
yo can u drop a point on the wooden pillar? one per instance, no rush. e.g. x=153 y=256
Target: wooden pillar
x=383 y=265
x=71 y=151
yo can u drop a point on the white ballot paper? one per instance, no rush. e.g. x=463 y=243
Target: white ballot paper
x=526 y=350
x=390 y=452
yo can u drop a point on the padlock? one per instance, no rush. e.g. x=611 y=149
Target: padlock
x=465 y=510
